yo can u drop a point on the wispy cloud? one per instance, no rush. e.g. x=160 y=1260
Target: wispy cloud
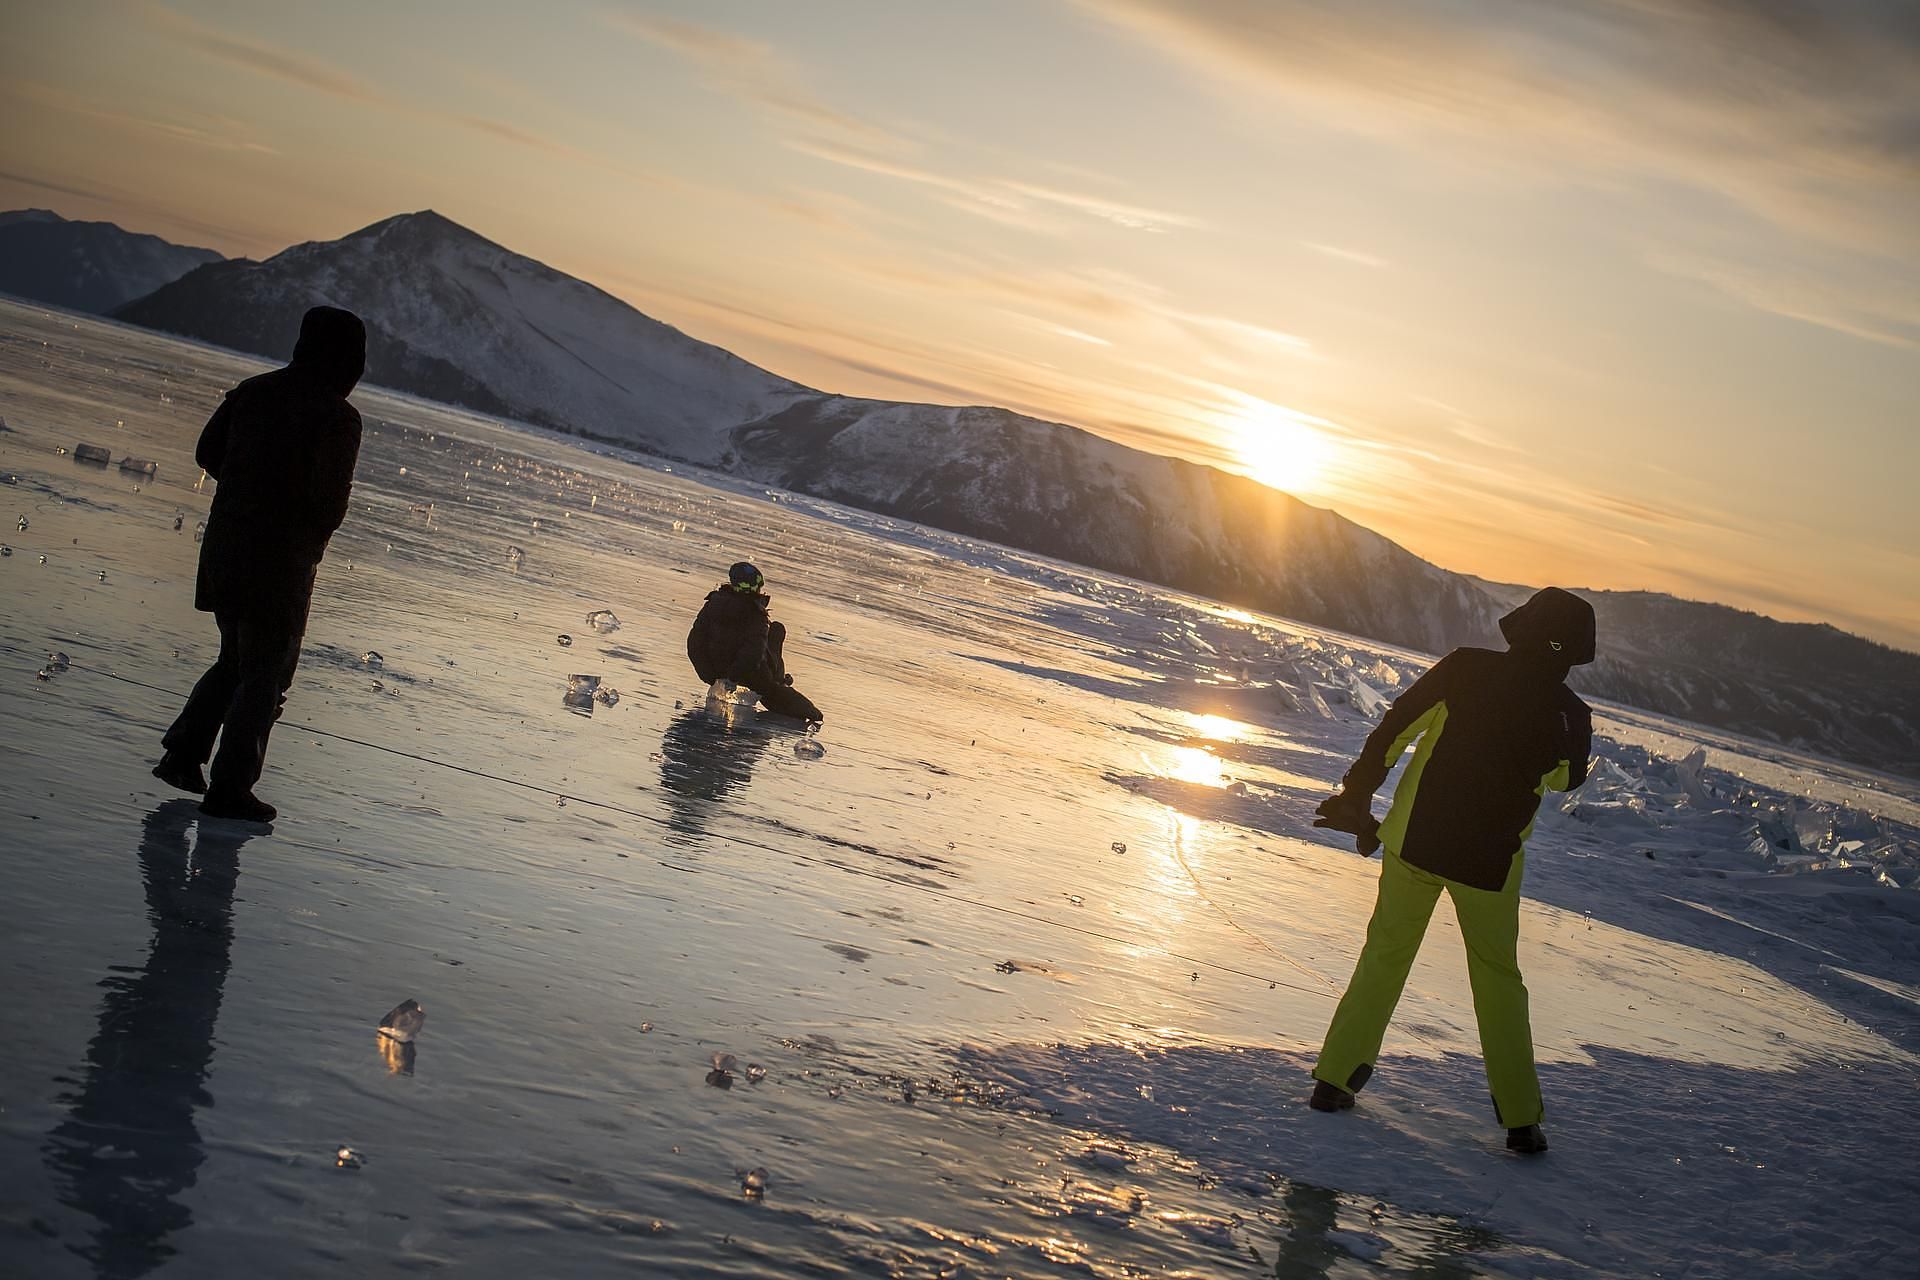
x=212 y=133
x=756 y=72
x=1354 y=256
x=1874 y=309
x=1800 y=116
x=267 y=59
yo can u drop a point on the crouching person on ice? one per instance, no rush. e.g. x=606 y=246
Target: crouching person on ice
x=1496 y=731
x=734 y=639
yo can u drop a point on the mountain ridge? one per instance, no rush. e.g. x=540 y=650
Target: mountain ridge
x=454 y=316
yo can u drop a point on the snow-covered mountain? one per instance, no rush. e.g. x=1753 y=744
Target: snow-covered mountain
x=1073 y=495
x=86 y=266
x=454 y=317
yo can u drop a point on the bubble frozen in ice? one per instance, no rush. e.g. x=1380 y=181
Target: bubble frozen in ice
x=754 y=1183
x=607 y=696
x=603 y=621
x=372 y=658
x=404 y=1021
x=809 y=749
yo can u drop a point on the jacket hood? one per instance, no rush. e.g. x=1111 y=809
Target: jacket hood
x=1555 y=625
x=332 y=347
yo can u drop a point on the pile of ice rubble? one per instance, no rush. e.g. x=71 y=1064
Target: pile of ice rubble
x=1705 y=812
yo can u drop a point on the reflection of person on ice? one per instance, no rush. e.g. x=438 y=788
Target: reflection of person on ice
x=1496 y=731
x=734 y=639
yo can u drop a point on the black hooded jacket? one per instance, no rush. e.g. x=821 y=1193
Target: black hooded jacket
x=729 y=637
x=282 y=447
x=1496 y=731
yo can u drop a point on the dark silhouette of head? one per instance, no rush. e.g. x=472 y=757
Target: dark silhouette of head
x=1555 y=629
x=332 y=348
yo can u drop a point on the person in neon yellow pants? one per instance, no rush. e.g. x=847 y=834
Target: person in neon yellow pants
x=1486 y=723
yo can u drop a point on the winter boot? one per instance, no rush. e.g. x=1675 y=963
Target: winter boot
x=243 y=807
x=1331 y=1097
x=1527 y=1140
x=179 y=772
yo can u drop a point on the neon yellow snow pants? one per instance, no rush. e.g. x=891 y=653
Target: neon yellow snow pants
x=1490 y=924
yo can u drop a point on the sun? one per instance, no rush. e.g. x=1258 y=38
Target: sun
x=1280 y=447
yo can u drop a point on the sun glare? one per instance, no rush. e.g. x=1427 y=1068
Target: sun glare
x=1280 y=447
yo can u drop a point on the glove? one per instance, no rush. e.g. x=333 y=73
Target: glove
x=1353 y=814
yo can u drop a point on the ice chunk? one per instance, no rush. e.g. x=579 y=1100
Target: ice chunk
x=5 y=550
x=345 y=1157
x=200 y=531
x=403 y=1021
x=724 y=1061
x=92 y=453
x=603 y=621
x=580 y=691
x=1118 y=846
x=140 y=466
x=21 y=524
x=179 y=520
x=514 y=556
x=1367 y=700
x=754 y=1183
x=755 y=1073
x=564 y=640
x=58 y=662
x=809 y=749
x=607 y=696
x=371 y=658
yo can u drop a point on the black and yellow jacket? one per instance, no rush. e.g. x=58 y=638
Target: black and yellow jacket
x=1496 y=731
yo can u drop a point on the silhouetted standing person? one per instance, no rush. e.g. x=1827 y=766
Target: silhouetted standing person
x=1496 y=732
x=735 y=639
x=282 y=447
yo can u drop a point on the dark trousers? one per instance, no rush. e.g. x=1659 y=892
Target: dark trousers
x=239 y=697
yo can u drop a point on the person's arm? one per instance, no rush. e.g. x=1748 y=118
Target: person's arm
x=752 y=650
x=211 y=452
x=1576 y=738
x=331 y=489
x=1404 y=721
x=1350 y=809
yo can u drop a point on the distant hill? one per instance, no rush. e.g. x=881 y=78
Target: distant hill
x=86 y=266
x=454 y=317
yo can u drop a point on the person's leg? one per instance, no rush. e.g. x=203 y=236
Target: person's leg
x=190 y=739
x=776 y=664
x=1490 y=923
x=269 y=649
x=1400 y=916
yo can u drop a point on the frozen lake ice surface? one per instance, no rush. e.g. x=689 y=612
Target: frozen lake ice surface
x=1019 y=975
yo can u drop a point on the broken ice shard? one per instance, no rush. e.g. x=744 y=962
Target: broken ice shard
x=372 y=658
x=607 y=696
x=92 y=453
x=580 y=691
x=139 y=466
x=755 y=1073
x=58 y=661
x=403 y=1023
x=809 y=749
x=724 y=1062
x=603 y=621
x=564 y=640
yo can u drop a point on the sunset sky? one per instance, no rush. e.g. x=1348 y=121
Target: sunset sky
x=1615 y=294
